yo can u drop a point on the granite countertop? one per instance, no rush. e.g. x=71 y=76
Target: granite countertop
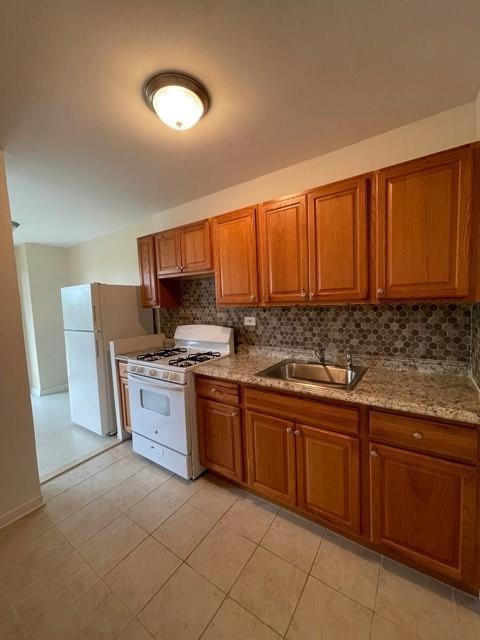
x=447 y=395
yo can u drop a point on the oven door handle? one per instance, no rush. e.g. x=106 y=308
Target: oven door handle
x=158 y=384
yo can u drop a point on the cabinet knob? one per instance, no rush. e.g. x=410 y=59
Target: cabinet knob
x=213 y=390
x=297 y=432
x=310 y=295
x=373 y=453
x=304 y=294
x=289 y=429
x=417 y=435
x=252 y=297
x=179 y=268
x=380 y=291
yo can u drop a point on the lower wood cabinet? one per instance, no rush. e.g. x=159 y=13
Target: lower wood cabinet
x=125 y=404
x=328 y=475
x=220 y=438
x=423 y=508
x=271 y=456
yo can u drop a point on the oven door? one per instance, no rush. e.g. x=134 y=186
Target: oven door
x=158 y=411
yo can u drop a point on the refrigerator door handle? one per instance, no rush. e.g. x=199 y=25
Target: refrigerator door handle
x=96 y=348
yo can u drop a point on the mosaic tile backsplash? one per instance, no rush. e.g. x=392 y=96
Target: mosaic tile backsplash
x=476 y=343
x=440 y=332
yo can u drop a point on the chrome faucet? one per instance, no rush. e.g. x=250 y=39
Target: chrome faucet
x=320 y=354
x=349 y=361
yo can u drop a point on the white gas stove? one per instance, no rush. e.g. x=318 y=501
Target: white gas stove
x=162 y=396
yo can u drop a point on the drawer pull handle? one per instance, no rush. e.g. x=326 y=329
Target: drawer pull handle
x=373 y=453
x=213 y=390
x=417 y=435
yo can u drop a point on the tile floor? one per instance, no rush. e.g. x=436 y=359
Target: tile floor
x=125 y=550
x=61 y=443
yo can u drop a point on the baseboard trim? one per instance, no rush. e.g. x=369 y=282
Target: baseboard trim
x=21 y=511
x=48 y=391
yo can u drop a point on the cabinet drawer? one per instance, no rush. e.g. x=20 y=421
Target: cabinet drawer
x=312 y=412
x=218 y=390
x=122 y=369
x=451 y=441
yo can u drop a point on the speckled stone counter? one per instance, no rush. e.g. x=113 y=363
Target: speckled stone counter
x=451 y=396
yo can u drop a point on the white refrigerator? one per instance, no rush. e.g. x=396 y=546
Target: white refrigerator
x=94 y=314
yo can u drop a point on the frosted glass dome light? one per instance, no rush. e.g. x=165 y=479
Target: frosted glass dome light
x=178 y=100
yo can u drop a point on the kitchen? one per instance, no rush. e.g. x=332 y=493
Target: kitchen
x=301 y=431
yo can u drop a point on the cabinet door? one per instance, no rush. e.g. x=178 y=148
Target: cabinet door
x=195 y=247
x=220 y=438
x=148 y=275
x=235 y=250
x=328 y=480
x=167 y=252
x=271 y=456
x=125 y=405
x=337 y=231
x=283 y=250
x=423 y=509
x=424 y=227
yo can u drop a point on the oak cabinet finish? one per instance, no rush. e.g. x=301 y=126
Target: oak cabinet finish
x=424 y=227
x=148 y=275
x=124 y=396
x=195 y=247
x=283 y=250
x=235 y=251
x=338 y=241
x=423 y=509
x=167 y=252
x=219 y=390
x=328 y=475
x=271 y=456
x=220 y=438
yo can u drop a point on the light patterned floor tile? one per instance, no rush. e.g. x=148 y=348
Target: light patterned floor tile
x=88 y=521
x=110 y=545
x=135 y=461
x=468 y=615
x=250 y=516
x=182 y=608
x=116 y=473
x=233 y=622
x=184 y=530
x=294 y=539
x=213 y=499
x=269 y=588
x=348 y=567
x=41 y=600
x=70 y=501
x=22 y=532
x=126 y=494
x=11 y=627
x=135 y=631
x=141 y=574
x=152 y=510
x=221 y=556
x=98 y=615
x=383 y=629
x=416 y=602
x=324 y=611
x=154 y=475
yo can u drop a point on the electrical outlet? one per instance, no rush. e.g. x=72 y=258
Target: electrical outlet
x=249 y=321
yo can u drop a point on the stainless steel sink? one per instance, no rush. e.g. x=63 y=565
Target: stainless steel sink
x=315 y=374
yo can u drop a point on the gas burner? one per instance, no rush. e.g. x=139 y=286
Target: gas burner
x=194 y=358
x=160 y=354
x=147 y=357
x=181 y=362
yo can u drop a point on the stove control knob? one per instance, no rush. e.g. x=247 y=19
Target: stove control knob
x=152 y=372
x=133 y=368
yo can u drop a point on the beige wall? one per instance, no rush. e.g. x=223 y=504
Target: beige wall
x=440 y=131
x=19 y=485
x=42 y=272
x=113 y=258
x=109 y=259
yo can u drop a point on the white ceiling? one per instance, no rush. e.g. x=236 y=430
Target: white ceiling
x=289 y=80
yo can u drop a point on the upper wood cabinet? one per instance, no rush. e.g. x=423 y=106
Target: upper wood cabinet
x=195 y=247
x=424 y=227
x=148 y=275
x=423 y=509
x=184 y=250
x=328 y=475
x=338 y=241
x=235 y=252
x=283 y=250
x=167 y=252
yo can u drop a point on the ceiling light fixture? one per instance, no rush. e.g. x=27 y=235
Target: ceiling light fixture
x=177 y=99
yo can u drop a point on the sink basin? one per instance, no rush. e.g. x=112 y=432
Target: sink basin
x=314 y=374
